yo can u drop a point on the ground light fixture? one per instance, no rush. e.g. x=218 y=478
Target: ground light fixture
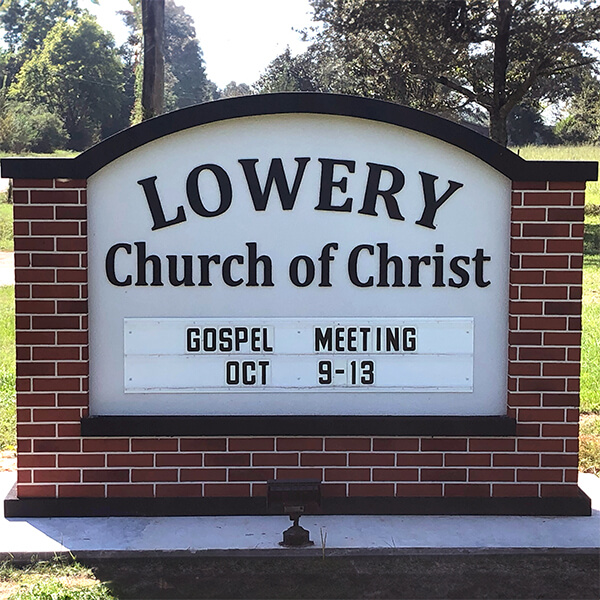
x=294 y=498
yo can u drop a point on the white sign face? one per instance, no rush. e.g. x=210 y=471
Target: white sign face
x=312 y=355
x=298 y=265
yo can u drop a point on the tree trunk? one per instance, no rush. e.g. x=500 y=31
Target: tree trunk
x=498 y=126
x=153 y=87
x=498 y=116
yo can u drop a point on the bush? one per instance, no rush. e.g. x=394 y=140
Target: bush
x=25 y=127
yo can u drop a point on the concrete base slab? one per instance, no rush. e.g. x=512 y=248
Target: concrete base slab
x=254 y=535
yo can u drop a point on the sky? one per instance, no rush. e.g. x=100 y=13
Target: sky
x=239 y=38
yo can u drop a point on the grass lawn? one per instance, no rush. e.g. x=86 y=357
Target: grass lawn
x=52 y=580
x=6 y=227
x=7 y=369
x=590 y=358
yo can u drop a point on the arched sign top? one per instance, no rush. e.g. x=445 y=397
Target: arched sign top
x=495 y=155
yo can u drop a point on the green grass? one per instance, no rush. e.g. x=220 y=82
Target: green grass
x=56 y=153
x=592 y=195
x=7 y=369
x=50 y=580
x=6 y=227
x=590 y=343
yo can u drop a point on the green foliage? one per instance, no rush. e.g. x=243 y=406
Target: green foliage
x=26 y=127
x=77 y=73
x=186 y=82
x=26 y=23
x=316 y=70
x=233 y=89
x=526 y=126
x=582 y=125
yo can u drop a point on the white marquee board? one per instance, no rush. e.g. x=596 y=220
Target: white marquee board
x=183 y=237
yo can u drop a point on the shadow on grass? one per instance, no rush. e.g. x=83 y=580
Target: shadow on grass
x=591 y=239
x=593 y=260
x=460 y=575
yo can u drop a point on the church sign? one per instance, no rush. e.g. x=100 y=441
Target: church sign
x=297 y=286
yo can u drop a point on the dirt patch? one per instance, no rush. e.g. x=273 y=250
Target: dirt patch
x=8 y=461
x=7 y=268
x=460 y=575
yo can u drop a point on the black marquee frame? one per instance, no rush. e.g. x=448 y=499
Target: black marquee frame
x=495 y=155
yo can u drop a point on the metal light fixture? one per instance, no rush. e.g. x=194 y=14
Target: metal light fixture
x=294 y=497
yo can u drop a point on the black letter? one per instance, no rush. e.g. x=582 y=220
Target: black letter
x=384 y=263
x=227 y=270
x=458 y=270
x=193 y=192
x=409 y=339
x=193 y=339
x=187 y=270
x=156 y=210
x=353 y=265
x=323 y=339
x=325 y=260
x=415 y=262
x=372 y=191
x=295 y=266
x=439 y=267
x=253 y=260
x=431 y=204
x=327 y=184
x=205 y=261
x=110 y=265
x=142 y=261
x=479 y=259
x=276 y=174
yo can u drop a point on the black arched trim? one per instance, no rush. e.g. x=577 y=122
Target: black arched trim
x=498 y=157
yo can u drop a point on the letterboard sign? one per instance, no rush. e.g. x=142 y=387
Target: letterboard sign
x=298 y=264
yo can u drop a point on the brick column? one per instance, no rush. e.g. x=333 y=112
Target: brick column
x=545 y=332
x=50 y=229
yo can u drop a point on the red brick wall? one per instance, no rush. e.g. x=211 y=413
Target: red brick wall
x=52 y=386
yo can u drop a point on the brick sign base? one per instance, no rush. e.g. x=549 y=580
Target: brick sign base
x=72 y=464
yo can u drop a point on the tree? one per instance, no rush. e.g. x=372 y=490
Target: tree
x=311 y=71
x=526 y=126
x=233 y=89
x=77 y=74
x=153 y=86
x=26 y=23
x=25 y=127
x=491 y=54
x=186 y=82
x=582 y=125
